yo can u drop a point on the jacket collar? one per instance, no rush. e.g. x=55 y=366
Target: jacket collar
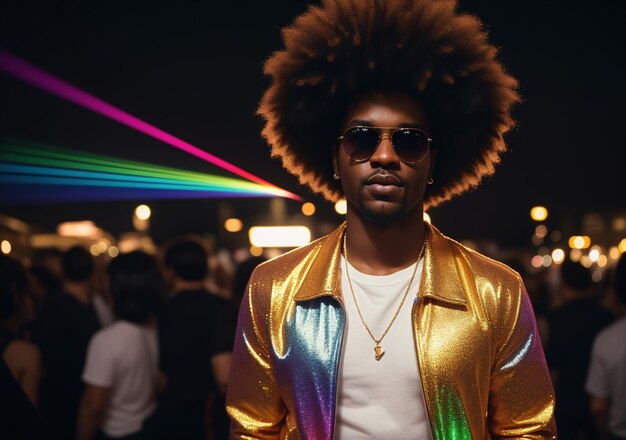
x=440 y=277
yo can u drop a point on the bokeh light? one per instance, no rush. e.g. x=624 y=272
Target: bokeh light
x=233 y=225
x=614 y=253
x=143 y=212
x=308 y=209
x=341 y=207
x=586 y=261
x=539 y=213
x=541 y=231
x=575 y=255
x=113 y=251
x=5 y=247
x=579 y=242
x=596 y=275
x=95 y=250
x=558 y=255
x=537 y=261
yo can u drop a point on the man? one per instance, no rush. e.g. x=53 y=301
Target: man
x=385 y=328
x=121 y=370
x=568 y=348
x=196 y=338
x=606 y=382
x=65 y=327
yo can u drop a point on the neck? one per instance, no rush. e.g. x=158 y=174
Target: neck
x=382 y=249
x=188 y=285
x=79 y=290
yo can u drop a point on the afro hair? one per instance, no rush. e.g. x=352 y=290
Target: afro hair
x=424 y=48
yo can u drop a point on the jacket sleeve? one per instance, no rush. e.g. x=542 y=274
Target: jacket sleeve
x=521 y=398
x=253 y=401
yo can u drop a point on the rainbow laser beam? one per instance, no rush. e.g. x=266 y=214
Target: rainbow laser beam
x=47 y=174
x=30 y=74
x=111 y=168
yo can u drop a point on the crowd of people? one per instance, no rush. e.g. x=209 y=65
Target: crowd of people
x=140 y=348
x=135 y=348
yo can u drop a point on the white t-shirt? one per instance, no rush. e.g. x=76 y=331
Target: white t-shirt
x=124 y=357
x=380 y=399
x=607 y=373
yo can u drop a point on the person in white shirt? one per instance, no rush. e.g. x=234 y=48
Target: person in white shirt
x=606 y=379
x=121 y=371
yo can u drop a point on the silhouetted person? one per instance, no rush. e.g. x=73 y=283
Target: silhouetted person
x=242 y=275
x=21 y=356
x=572 y=328
x=18 y=417
x=606 y=381
x=121 y=371
x=65 y=327
x=196 y=336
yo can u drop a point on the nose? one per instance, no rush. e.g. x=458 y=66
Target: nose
x=385 y=156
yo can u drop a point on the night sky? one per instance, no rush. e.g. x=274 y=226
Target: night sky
x=194 y=69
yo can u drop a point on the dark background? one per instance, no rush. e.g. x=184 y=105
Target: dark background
x=194 y=69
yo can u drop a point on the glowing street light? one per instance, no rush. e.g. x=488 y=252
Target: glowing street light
x=539 y=213
x=143 y=212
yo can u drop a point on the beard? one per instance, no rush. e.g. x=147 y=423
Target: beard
x=383 y=215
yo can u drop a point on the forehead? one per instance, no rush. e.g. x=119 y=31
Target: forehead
x=386 y=108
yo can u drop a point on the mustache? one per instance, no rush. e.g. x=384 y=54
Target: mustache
x=386 y=174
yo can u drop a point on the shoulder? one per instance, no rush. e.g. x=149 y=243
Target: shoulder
x=481 y=266
x=105 y=336
x=287 y=262
x=613 y=334
x=26 y=350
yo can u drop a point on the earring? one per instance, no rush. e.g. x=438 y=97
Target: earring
x=430 y=181
x=336 y=176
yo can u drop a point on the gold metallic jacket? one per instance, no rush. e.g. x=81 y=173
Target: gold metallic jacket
x=481 y=363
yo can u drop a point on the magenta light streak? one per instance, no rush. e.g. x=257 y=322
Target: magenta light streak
x=24 y=71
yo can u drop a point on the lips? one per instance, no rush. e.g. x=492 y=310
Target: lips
x=383 y=185
x=383 y=179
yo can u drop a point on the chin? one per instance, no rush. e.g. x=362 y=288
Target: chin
x=383 y=215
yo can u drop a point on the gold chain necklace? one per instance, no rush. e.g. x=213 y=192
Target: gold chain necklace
x=378 y=350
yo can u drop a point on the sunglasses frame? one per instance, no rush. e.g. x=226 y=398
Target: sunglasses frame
x=392 y=131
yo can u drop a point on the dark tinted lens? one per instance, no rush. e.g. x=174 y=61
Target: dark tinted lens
x=410 y=144
x=360 y=142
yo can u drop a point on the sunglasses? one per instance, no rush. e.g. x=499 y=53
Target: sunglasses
x=360 y=142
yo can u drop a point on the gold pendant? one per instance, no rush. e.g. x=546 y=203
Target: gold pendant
x=378 y=352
